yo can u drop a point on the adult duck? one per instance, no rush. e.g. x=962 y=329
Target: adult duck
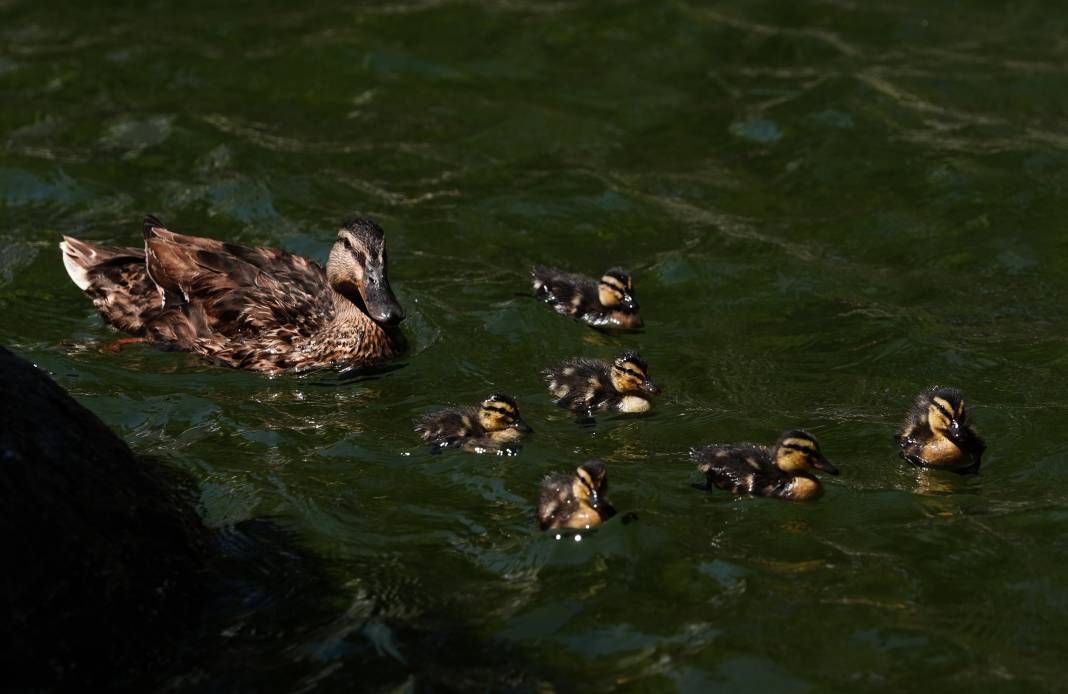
x=246 y=307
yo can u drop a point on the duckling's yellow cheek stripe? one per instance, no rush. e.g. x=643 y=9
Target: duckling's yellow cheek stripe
x=937 y=418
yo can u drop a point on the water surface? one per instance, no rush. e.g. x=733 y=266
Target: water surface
x=827 y=206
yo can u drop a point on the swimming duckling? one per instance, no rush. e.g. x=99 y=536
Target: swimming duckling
x=489 y=428
x=782 y=471
x=585 y=386
x=575 y=501
x=605 y=303
x=936 y=433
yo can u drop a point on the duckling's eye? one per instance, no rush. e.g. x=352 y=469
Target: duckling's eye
x=346 y=243
x=943 y=408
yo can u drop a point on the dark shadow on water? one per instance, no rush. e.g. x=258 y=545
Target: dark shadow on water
x=354 y=375
x=276 y=624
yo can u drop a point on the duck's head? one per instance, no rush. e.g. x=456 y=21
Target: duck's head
x=357 y=269
x=630 y=374
x=798 y=451
x=499 y=412
x=591 y=482
x=614 y=290
x=944 y=410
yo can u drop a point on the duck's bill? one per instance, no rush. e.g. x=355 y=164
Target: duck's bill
x=522 y=426
x=651 y=388
x=956 y=434
x=822 y=463
x=381 y=305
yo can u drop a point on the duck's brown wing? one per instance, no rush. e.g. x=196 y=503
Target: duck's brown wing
x=116 y=280
x=238 y=291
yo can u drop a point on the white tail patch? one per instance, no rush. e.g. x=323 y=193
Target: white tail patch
x=75 y=262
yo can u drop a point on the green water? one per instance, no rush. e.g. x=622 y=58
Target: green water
x=827 y=206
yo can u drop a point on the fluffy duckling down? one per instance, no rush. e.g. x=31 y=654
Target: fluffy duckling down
x=605 y=303
x=575 y=501
x=585 y=386
x=783 y=471
x=492 y=427
x=936 y=433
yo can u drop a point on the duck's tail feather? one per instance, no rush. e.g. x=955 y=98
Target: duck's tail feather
x=78 y=257
x=115 y=279
x=151 y=223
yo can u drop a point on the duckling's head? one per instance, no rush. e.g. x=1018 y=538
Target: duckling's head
x=616 y=291
x=499 y=412
x=630 y=374
x=944 y=410
x=591 y=482
x=798 y=451
x=357 y=269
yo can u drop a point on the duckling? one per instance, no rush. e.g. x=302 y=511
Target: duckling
x=605 y=303
x=489 y=428
x=936 y=433
x=575 y=501
x=585 y=386
x=782 y=471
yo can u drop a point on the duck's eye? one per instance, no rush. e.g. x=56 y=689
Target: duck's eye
x=346 y=243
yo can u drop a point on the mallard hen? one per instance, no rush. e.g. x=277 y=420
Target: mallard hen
x=252 y=308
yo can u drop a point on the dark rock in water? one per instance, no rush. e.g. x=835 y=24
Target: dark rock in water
x=104 y=554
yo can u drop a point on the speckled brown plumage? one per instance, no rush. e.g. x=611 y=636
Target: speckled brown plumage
x=252 y=308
